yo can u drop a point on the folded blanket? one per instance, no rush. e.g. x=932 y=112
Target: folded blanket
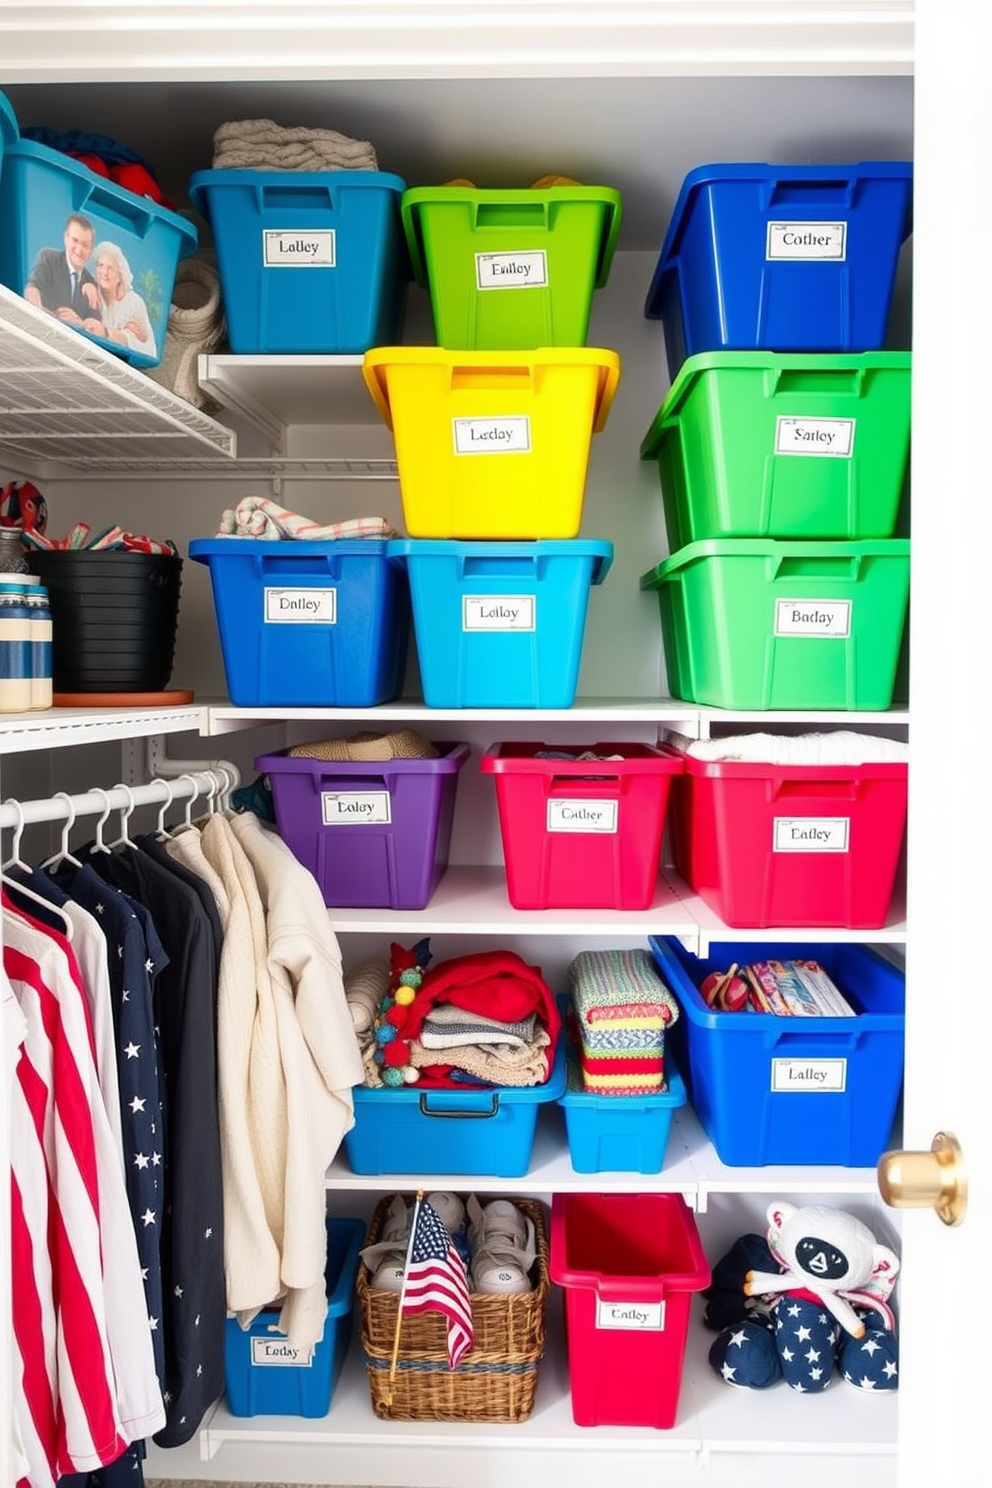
x=260 y=144
x=606 y=986
x=497 y=984
x=403 y=743
x=845 y=747
x=260 y=516
x=448 y=1026
x=500 y=1064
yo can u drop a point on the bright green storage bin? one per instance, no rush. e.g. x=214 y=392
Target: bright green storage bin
x=783 y=445
x=748 y=623
x=511 y=270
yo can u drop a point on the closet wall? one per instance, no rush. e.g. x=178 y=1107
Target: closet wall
x=638 y=113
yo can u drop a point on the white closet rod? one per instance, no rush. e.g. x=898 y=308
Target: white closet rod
x=119 y=798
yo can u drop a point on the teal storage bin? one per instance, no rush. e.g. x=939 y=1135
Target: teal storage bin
x=265 y=1375
x=621 y=1133
x=803 y=1091
x=752 y=624
x=485 y=1132
x=308 y=623
x=309 y=261
x=766 y=444
x=500 y=624
x=128 y=246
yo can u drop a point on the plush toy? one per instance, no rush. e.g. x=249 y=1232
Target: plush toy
x=820 y=1301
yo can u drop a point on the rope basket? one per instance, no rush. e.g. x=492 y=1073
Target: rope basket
x=495 y=1381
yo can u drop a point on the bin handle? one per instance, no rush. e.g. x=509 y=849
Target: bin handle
x=509 y=377
x=272 y=197
x=470 y=1115
x=131 y=215
x=511 y=214
x=835 y=381
x=784 y=192
x=839 y=790
x=814 y=567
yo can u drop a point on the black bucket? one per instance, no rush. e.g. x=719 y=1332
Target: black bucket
x=142 y=589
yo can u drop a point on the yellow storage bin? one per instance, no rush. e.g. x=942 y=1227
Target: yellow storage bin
x=492 y=444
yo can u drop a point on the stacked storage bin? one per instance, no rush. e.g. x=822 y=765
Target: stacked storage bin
x=783 y=443
x=493 y=428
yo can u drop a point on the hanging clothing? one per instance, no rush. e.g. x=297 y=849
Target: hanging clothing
x=287 y=1061
x=136 y=958
x=192 y=1225
x=87 y=1385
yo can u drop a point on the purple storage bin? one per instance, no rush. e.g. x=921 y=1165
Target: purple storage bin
x=374 y=834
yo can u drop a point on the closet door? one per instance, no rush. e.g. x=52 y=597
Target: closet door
x=942 y=1403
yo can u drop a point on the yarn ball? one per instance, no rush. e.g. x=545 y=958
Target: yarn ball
x=412 y=977
x=404 y=996
x=378 y=1056
x=385 y=1033
x=397 y=1016
x=393 y=1078
x=410 y=1075
x=396 y=1054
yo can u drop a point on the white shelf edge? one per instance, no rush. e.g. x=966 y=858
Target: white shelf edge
x=65 y=727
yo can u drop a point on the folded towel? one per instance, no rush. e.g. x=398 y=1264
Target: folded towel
x=447 y=1026
x=500 y=1064
x=604 y=983
x=845 y=747
x=260 y=516
x=401 y=743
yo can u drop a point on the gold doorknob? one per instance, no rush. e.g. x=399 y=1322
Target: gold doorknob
x=920 y=1180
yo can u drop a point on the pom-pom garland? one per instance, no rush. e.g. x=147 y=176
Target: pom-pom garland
x=392 y=1052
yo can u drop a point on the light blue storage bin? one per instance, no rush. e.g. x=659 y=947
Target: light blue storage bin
x=40 y=190
x=500 y=624
x=488 y=1132
x=265 y=1375
x=309 y=261
x=622 y=1133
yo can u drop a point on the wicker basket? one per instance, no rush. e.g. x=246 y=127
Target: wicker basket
x=495 y=1381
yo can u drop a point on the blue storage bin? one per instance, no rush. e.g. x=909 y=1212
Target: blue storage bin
x=805 y=1091
x=308 y=623
x=309 y=261
x=500 y=624
x=8 y=127
x=41 y=191
x=781 y=258
x=460 y=1132
x=622 y=1133
x=265 y=1375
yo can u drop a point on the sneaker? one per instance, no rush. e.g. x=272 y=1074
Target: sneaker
x=450 y=1209
x=503 y=1246
x=386 y=1259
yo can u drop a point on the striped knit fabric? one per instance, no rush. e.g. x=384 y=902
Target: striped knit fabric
x=622 y=1009
x=259 y=516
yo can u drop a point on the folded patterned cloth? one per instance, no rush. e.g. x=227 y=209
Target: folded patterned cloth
x=448 y=1026
x=260 y=144
x=606 y=988
x=498 y=1064
x=260 y=516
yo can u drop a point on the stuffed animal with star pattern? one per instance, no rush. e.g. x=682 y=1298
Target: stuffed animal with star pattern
x=824 y=1310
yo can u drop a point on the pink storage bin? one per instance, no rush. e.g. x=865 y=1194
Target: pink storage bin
x=581 y=834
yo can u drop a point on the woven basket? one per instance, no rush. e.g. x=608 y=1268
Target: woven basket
x=495 y=1381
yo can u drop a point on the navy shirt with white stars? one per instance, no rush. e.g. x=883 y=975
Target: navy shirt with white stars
x=135 y=959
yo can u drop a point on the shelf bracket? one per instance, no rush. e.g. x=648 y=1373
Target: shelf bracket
x=158 y=763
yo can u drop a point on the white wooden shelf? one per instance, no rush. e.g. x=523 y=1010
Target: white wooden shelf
x=60 y=728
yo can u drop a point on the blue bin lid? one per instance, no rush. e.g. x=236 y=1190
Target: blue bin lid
x=601 y=551
x=706 y=175
x=202 y=549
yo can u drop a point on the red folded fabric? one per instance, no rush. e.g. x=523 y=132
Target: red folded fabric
x=498 y=984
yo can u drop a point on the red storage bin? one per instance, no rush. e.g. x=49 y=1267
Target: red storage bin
x=629 y=1264
x=581 y=834
x=791 y=845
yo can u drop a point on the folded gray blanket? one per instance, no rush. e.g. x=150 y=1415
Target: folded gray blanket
x=448 y=1027
x=260 y=144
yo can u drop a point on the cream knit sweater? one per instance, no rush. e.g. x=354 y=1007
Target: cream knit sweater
x=287 y=1059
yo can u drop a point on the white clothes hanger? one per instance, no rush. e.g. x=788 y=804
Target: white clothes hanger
x=161 y=830
x=99 y=845
x=63 y=855
x=186 y=825
x=16 y=861
x=124 y=840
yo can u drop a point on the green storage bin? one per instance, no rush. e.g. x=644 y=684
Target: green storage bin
x=783 y=445
x=752 y=624
x=511 y=270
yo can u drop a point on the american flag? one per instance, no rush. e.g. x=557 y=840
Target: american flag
x=436 y=1281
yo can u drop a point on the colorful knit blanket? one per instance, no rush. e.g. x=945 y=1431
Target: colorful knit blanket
x=622 y=1009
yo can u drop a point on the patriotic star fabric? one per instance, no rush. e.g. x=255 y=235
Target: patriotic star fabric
x=435 y=1280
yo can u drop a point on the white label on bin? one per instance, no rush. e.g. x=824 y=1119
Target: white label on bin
x=808 y=240
x=811 y=834
x=355 y=808
x=492 y=436
x=499 y=612
x=582 y=816
x=301 y=607
x=277 y=1351
x=825 y=437
x=292 y=249
x=810 y=1075
x=641 y=1317
x=813 y=617
x=511 y=270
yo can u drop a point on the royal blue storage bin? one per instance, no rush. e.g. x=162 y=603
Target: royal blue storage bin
x=40 y=189
x=308 y=623
x=374 y=833
x=463 y=1133
x=309 y=261
x=781 y=258
x=500 y=624
x=265 y=1375
x=804 y=1091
